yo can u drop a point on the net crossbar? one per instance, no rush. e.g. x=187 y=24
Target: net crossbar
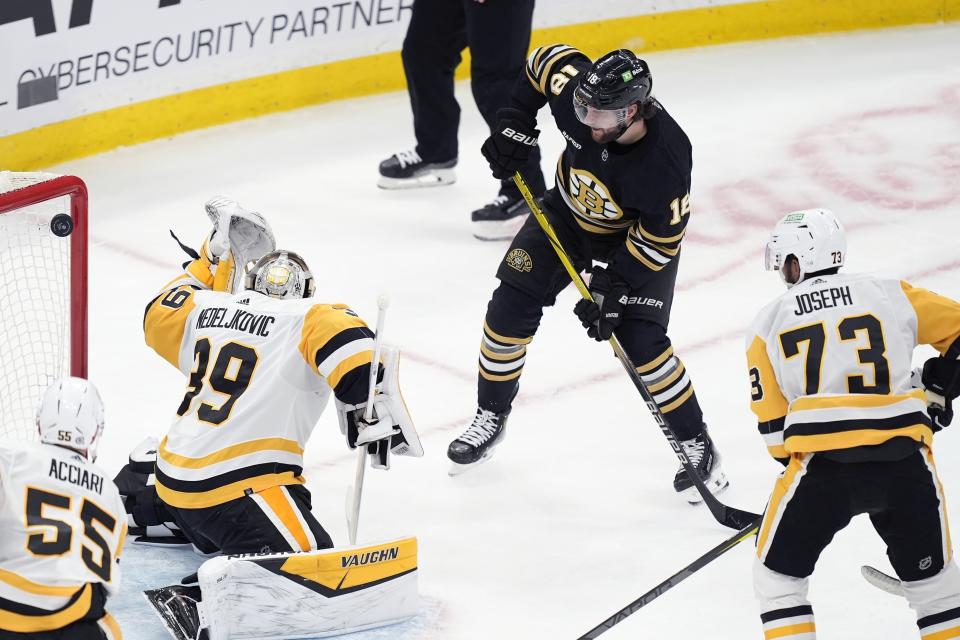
x=42 y=292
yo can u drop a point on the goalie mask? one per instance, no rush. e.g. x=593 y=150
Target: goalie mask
x=281 y=274
x=71 y=416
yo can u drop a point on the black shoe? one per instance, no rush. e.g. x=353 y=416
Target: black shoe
x=407 y=170
x=706 y=460
x=478 y=441
x=500 y=219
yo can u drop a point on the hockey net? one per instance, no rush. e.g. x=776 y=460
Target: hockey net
x=43 y=291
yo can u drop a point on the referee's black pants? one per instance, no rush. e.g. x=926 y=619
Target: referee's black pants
x=498 y=34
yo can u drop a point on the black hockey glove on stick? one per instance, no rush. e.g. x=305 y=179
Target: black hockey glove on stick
x=747 y=532
x=509 y=147
x=728 y=516
x=602 y=315
x=941 y=379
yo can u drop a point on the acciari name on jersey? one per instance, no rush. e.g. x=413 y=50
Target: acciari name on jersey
x=66 y=472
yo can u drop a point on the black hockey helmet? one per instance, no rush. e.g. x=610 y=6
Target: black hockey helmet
x=614 y=82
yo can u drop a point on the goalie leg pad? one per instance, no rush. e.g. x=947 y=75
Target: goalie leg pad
x=309 y=594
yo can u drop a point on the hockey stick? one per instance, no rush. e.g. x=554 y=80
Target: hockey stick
x=355 y=491
x=882 y=581
x=671 y=582
x=728 y=516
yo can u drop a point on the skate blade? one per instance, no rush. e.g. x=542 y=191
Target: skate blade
x=716 y=484
x=498 y=229
x=457 y=469
x=432 y=178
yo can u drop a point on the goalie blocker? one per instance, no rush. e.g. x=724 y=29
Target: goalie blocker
x=298 y=595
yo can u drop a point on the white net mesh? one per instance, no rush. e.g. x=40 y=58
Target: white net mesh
x=34 y=304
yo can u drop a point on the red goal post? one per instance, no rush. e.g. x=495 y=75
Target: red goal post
x=43 y=291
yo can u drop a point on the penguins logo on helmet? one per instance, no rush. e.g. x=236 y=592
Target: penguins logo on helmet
x=280 y=274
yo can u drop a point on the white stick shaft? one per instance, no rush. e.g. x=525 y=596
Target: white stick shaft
x=353 y=518
x=374 y=364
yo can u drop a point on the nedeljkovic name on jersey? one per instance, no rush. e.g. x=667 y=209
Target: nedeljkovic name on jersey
x=823 y=299
x=215 y=317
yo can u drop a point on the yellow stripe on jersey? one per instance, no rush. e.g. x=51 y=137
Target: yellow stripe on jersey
x=202 y=268
x=946 y=634
x=938 y=318
x=320 y=325
x=20 y=623
x=540 y=62
x=226 y=493
x=769 y=403
x=228 y=453
x=165 y=322
x=642 y=258
x=110 y=627
x=943 y=504
x=278 y=503
x=853 y=401
x=659 y=240
x=857 y=438
x=790 y=630
x=780 y=489
x=778 y=451
x=347 y=365
x=19 y=582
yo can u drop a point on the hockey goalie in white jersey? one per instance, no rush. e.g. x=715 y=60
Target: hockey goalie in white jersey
x=261 y=364
x=62 y=524
x=830 y=373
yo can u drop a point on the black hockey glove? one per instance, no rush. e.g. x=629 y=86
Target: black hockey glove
x=509 y=147
x=941 y=379
x=605 y=313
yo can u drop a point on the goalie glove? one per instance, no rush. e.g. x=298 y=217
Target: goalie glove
x=238 y=238
x=393 y=431
x=148 y=520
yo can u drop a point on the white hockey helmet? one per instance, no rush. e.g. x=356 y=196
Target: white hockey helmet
x=281 y=274
x=814 y=236
x=71 y=415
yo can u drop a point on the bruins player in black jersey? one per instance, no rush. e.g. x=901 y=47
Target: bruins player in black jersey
x=622 y=197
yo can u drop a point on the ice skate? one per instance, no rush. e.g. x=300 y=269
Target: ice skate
x=500 y=219
x=407 y=170
x=706 y=460
x=478 y=442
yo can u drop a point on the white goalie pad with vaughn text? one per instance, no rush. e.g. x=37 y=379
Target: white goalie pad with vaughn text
x=307 y=595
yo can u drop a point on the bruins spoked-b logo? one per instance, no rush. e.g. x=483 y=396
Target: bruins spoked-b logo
x=520 y=260
x=591 y=197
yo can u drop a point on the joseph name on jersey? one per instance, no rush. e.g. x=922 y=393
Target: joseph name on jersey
x=63 y=525
x=639 y=191
x=260 y=373
x=830 y=363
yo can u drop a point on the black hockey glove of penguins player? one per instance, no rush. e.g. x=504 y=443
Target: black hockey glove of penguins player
x=941 y=379
x=511 y=143
x=604 y=313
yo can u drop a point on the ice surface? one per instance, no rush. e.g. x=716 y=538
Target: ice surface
x=575 y=515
